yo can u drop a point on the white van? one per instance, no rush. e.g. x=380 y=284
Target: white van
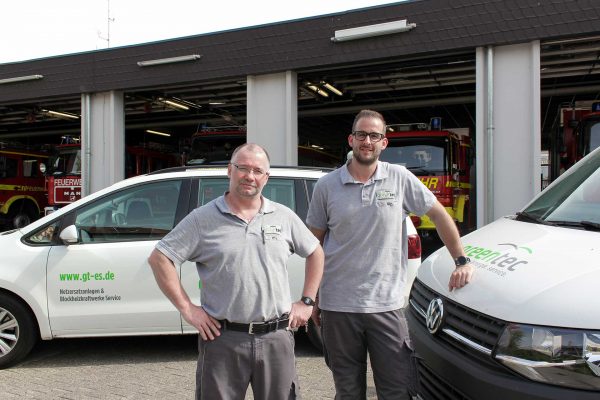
x=528 y=325
x=82 y=272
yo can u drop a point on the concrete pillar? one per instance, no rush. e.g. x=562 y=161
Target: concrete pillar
x=272 y=114
x=102 y=140
x=508 y=133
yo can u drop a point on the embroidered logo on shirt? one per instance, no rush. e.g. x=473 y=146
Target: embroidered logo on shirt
x=271 y=232
x=385 y=194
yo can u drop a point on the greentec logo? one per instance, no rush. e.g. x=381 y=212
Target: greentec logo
x=501 y=260
x=514 y=246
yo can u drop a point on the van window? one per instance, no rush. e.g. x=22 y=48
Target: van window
x=144 y=212
x=277 y=189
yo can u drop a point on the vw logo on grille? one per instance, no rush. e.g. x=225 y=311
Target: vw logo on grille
x=435 y=315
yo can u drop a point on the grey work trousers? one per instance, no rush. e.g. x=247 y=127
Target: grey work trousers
x=348 y=337
x=234 y=360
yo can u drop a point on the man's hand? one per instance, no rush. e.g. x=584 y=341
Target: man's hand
x=208 y=327
x=300 y=314
x=168 y=281
x=460 y=277
x=316 y=313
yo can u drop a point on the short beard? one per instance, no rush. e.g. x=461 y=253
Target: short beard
x=365 y=161
x=243 y=193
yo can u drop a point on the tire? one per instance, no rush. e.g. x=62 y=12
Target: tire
x=20 y=219
x=21 y=215
x=314 y=335
x=18 y=331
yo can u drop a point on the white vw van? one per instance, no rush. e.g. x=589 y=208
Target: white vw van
x=528 y=325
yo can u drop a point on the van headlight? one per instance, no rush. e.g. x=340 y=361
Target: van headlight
x=564 y=357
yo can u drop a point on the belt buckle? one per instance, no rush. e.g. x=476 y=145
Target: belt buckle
x=251 y=327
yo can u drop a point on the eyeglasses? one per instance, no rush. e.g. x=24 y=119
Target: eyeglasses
x=259 y=173
x=374 y=136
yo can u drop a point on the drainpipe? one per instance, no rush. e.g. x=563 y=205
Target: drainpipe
x=86 y=133
x=490 y=135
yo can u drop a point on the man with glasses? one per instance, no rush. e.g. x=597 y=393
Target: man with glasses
x=358 y=212
x=241 y=242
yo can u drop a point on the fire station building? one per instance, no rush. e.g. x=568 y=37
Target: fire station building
x=500 y=69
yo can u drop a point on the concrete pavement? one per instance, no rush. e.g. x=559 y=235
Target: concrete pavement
x=135 y=368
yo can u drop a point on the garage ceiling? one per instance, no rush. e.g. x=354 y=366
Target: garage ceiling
x=405 y=90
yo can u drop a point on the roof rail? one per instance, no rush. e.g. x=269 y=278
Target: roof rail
x=218 y=166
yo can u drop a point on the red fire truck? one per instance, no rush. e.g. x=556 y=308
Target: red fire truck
x=442 y=160
x=215 y=146
x=578 y=135
x=22 y=194
x=63 y=175
x=143 y=159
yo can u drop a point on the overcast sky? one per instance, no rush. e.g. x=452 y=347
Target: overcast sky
x=32 y=29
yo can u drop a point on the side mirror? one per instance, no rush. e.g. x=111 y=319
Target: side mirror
x=69 y=235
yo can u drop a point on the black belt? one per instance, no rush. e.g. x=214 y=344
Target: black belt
x=256 y=327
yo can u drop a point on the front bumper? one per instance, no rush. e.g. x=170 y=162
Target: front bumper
x=444 y=372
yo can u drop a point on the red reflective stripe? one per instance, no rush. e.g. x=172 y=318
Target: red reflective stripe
x=414 y=246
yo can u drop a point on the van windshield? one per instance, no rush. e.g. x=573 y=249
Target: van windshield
x=574 y=200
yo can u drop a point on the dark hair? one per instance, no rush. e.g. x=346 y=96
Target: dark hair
x=251 y=147
x=368 y=114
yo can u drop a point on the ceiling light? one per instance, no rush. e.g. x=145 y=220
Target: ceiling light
x=216 y=103
x=362 y=32
x=314 y=146
x=316 y=89
x=158 y=133
x=332 y=88
x=173 y=103
x=21 y=79
x=170 y=60
x=60 y=114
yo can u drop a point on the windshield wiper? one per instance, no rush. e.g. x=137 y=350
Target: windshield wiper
x=420 y=169
x=525 y=216
x=587 y=225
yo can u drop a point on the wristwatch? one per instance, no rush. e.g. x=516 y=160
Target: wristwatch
x=462 y=260
x=307 y=300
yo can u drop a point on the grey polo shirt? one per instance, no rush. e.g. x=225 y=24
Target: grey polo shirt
x=365 y=240
x=242 y=265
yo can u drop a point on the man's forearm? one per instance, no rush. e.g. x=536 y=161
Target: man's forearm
x=314 y=272
x=167 y=279
x=446 y=229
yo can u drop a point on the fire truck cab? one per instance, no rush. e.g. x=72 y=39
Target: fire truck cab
x=63 y=176
x=22 y=194
x=578 y=135
x=216 y=145
x=442 y=160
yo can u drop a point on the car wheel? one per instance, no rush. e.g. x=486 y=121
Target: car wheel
x=18 y=332
x=314 y=335
x=21 y=215
x=21 y=219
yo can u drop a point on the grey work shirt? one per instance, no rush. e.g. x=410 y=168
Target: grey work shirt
x=365 y=240
x=242 y=266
